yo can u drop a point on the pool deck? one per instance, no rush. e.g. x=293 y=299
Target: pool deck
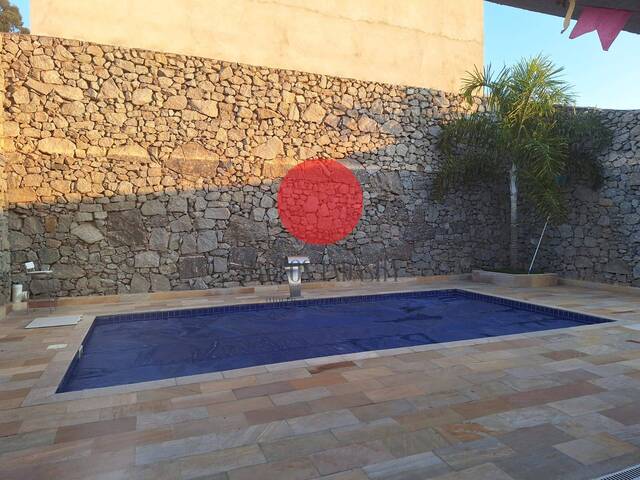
x=562 y=404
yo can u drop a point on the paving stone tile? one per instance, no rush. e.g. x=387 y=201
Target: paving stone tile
x=419 y=356
x=261 y=390
x=529 y=371
x=212 y=463
x=564 y=354
x=337 y=366
x=153 y=420
x=239 y=406
x=526 y=384
x=433 y=417
x=581 y=405
x=522 y=417
x=9 y=428
x=605 y=467
x=281 y=412
x=322 y=421
x=610 y=369
x=363 y=432
x=358 y=386
x=525 y=439
x=377 y=411
x=486 y=471
x=617 y=382
x=203 y=399
x=627 y=414
x=619 y=398
x=296 y=469
x=413 y=467
x=174 y=449
x=544 y=463
x=487 y=390
x=367 y=373
x=393 y=393
x=319 y=380
x=72 y=468
x=482 y=408
x=552 y=394
x=349 y=457
x=585 y=425
x=168 y=393
x=356 y=474
x=570 y=365
x=207 y=425
x=128 y=440
x=296 y=396
x=298 y=446
x=227 y=384
x=95 y=429
x=571 y=375
x=464 y=432
x=411 y=443
x=465 y=455
x=445 y=381
x=24 y=441
x=444 y=399
x=596 y=448
x=337 y=402
x=629 y=434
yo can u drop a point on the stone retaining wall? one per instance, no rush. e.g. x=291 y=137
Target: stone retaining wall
x=5 y=254
x=600 y=240
x=131 y=171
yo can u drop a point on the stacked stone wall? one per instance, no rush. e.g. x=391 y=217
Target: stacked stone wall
x=600 y=239
x=134 y=171
x=5 y=254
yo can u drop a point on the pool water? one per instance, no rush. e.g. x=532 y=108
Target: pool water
x=123 y=349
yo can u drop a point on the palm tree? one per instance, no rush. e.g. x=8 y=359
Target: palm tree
x=529 y=133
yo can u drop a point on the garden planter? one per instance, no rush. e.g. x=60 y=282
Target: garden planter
x=515 y=279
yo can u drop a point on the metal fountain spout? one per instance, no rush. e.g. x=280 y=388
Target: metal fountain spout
x=294 y=269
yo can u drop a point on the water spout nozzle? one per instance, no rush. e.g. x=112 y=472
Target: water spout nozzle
x=294 y=269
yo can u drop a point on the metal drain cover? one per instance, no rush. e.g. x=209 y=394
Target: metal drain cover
x=631 y=473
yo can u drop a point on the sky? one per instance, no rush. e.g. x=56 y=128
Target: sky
x=601 y=79
x=23 y=6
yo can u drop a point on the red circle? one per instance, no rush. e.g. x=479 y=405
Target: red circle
x=320 y=201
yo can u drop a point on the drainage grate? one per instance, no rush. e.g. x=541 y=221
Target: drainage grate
x=631 y=473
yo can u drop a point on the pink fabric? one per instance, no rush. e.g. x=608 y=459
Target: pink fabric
x=607 y=21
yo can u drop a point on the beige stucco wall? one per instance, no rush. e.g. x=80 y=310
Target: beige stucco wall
x=428 y=43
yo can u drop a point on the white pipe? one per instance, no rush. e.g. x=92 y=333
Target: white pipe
x=535 y=254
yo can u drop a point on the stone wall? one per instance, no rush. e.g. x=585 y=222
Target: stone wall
x=600 y=240
x=5 y=261
x=130 y=170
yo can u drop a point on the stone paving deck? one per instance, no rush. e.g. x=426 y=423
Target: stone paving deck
x=560 y=404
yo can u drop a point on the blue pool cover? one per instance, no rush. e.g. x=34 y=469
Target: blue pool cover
x=122 y=349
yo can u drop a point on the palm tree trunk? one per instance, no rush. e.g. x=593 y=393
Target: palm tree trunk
x=513 y=241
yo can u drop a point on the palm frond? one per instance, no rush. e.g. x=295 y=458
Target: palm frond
x=587 y=137
x=472 y=150
x=488 y=83
x=536 y=90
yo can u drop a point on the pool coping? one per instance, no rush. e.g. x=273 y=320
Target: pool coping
x=44 y=390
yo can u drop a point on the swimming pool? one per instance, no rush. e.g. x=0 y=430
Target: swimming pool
x=131 y=348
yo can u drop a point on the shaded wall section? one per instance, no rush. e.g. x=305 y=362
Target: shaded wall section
x=428 y=43
x=600 y=240
x=131 y=170
x=5 y=254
